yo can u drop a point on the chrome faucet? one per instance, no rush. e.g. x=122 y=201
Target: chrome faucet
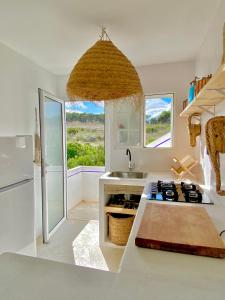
x=131 y=165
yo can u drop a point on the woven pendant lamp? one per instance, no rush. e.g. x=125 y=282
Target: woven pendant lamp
x=104 y=73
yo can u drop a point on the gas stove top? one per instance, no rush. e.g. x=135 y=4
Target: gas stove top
x=177 y=192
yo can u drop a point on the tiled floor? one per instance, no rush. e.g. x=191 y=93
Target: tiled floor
x=84 y=211
x=76 y=241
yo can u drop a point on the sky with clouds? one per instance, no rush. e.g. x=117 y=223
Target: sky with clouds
x=85 y=107
x=155 y=106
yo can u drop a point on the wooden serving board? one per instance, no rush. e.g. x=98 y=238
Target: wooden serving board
x=185 y=229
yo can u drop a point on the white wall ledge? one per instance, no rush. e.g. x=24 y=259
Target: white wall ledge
x=85 y=169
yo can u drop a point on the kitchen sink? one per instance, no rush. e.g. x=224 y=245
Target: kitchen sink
x=134 y=175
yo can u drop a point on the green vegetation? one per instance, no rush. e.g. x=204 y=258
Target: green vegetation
x=84 y=155
x=157 y=127
x=155 y=131
x=164 y=117
x=85 y=140
x=85 y=118
x=85 y=135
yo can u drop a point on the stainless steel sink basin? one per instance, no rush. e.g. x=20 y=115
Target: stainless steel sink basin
x=134 y=175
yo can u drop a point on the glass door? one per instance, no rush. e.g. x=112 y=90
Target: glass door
x=52 y=121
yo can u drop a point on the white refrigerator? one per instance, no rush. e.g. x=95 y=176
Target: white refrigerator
x=17 y=232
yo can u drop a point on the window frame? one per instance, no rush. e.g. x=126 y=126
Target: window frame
x=158 y=95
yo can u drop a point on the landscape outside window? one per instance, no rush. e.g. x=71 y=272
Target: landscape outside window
x=158 y=121
x=85 y=134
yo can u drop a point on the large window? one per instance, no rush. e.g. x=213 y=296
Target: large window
x=158 y=113
x=85 y=134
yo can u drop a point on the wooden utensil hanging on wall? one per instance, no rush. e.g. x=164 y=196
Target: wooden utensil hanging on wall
x=194 y=129
x=215 y=141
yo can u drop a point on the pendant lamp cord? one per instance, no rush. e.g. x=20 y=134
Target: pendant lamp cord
x=104 y=36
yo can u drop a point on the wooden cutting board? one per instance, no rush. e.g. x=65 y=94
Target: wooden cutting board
x=185 y=229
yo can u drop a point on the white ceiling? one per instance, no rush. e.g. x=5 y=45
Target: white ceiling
x=55 y=33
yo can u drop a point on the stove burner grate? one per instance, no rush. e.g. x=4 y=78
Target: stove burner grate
x=168 y=191
x=193 y=196
x=170 y=195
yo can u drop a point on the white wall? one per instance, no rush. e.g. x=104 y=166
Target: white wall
x=83 y=184
x=19 y=82
x=61 y=82
x=90 y=182
x=157 y=79
x=74 y=187
x=207 y=61
x=210 y=54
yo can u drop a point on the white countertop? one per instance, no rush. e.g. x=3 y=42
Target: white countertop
x=144 y=274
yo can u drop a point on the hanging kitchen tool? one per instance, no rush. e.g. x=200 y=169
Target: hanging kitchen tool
x=215 y=141
x=193 y=129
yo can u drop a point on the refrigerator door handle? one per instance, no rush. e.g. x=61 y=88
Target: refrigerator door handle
x=15 y=185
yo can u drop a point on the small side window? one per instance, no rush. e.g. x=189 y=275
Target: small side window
x=158 y=121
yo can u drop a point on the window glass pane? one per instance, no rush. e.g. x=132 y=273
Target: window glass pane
x=123 y=137
x=158 y=121
x=85 y=133
x=122 y=121
x=126 y=125
x=53 y=132
x=54 y=161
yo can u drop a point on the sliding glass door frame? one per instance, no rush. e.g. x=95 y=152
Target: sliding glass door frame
x=43 y=95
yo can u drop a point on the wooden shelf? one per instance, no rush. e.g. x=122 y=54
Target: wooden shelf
x=120 y=210
x=210 y=95
x=123 y=189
